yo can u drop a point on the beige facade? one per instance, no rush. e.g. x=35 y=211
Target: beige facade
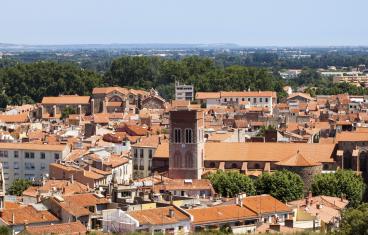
x=142 y=161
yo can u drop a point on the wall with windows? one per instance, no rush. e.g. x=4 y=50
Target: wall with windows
x=142 y=161
x=265 y=102
x=28 y=164
x=123 y=172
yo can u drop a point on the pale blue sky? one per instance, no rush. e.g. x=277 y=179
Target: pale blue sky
x=245 y=22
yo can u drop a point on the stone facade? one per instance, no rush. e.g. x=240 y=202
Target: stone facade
x=306 y=173
x=153 y=102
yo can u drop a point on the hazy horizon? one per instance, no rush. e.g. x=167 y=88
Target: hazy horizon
x=262 y=23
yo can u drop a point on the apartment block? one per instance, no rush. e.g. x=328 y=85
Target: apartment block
x=29 y=161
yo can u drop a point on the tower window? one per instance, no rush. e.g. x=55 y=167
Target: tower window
x=188 y=136
x=177 y=135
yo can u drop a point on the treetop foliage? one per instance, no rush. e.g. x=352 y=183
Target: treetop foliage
x=342 y=183
x=284 y=185
x=231 y=183
x=18 y=186
x=29 y=83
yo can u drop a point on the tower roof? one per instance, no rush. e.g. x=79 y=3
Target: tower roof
x=298 y=159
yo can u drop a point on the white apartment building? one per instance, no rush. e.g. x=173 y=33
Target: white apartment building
x=184 y=92
x=29 y=161
x=261 y=99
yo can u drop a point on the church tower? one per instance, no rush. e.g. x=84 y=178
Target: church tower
x=186 y=148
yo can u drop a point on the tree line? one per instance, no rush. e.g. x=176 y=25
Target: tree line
x=316 y=59
x=29 y=82
x=287 y=186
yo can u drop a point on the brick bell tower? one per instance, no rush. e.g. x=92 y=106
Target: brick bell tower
x=186 y=148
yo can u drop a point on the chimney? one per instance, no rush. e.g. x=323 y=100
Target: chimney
x=72 y=179
x=236 y=200
x=171 y=213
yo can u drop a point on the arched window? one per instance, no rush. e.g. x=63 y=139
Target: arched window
x=177 y=135
x=188 y=136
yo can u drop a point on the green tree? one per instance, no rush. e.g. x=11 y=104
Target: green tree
x=29 y=83
x=4 y=230
x=202 y=72
x=18 y=186
x=263 y=129
x=343 y=182
x=67 y=111
x=230 y=183
x=354 y=221
x=283 y=185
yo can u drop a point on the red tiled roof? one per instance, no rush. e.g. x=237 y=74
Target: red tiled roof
x=223 y=213
x=66 y=99
x=61 y=229
x=26 y=214
x=262 y=204
x=298 y=159
x=159 y=216
x=18 y=118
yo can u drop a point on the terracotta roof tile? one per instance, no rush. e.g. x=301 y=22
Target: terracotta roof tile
x=66 y=99
x=180 y=184
x=248 y=94
x=27 y=214
x=351 y=136
x=159 y=216
x=207 y=95
x=61 y=229
x=265 y=204
x=77 y=204
x=273 y=152
x=29 y=146
x=269 y=152
x=18 y=118
x=65 y=186
x=298 y=159
x=221 y=213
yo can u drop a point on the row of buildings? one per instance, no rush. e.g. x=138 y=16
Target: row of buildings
x=128 y=160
